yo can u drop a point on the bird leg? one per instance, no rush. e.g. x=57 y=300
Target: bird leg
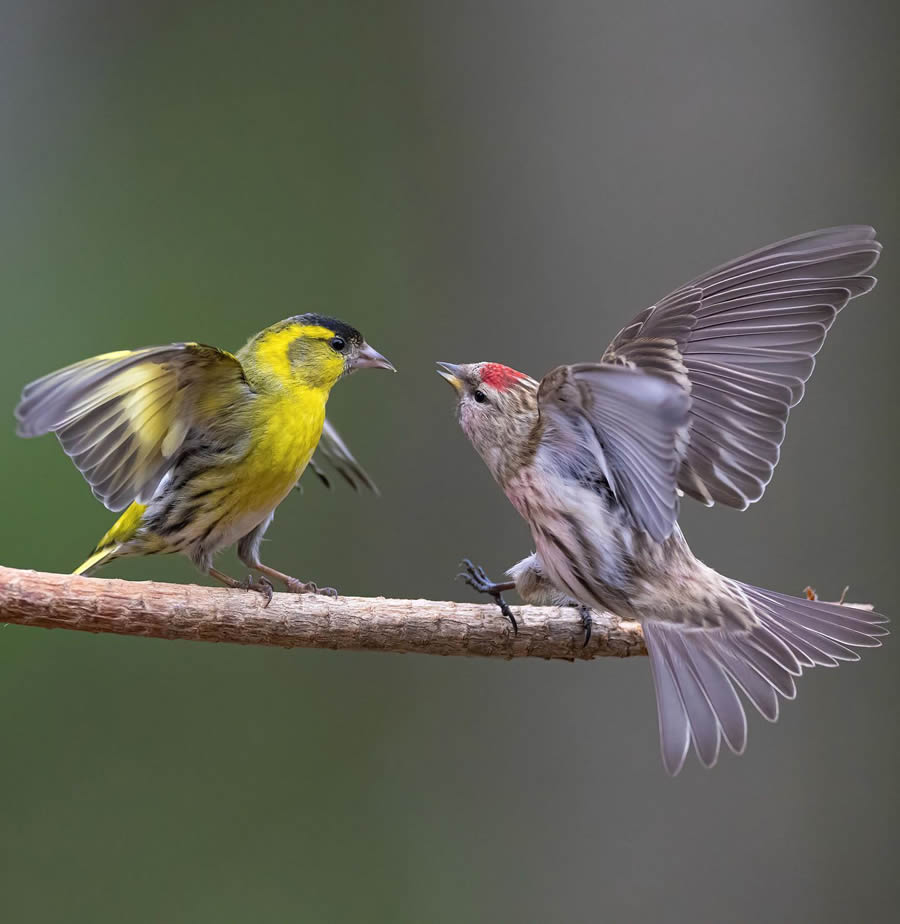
x=261 y=585
x=248 y=553
x=476 y=577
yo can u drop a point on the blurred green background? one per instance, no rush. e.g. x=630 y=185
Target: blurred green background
x=463 y=181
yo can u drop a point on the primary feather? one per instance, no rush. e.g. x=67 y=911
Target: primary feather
x=123 y=417
x=337 y=454
x=745 y=335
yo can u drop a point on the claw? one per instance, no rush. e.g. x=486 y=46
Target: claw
x=476 y=577
x=587 y=622
x=507 y=612
x=260 y=585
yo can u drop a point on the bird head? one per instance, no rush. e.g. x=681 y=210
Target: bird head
x=309 y=350
x=496 y=408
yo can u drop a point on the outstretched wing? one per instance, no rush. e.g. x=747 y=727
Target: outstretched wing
x=333 y=450
x=626 y=426
x=742 y=339
x=122 y=417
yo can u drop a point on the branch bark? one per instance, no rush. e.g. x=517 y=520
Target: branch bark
x=176 y=611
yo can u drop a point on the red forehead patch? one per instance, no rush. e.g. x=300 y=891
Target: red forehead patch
x=499 y=377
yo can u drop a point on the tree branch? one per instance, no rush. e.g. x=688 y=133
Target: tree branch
x=176 y=611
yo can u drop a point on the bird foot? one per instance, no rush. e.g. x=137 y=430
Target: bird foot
x=476 y=577
x=260 y=585
x=296 y=586
x=586 y=621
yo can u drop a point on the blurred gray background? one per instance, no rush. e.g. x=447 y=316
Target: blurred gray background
x=463 y=181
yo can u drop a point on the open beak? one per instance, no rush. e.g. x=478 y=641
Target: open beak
x=367 y=358
x=452 y=373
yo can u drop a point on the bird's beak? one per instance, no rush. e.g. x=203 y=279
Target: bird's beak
x=452 y=373
x=367 y=358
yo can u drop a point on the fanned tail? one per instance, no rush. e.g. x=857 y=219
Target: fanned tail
x=698 y=672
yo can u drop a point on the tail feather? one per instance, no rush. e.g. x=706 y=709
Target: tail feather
x=776 y=674
x=674 y=728
x=766 y=642
x=699 y=672
x=748 y=679
x=722 y=697
x=696 y=702
x=817 y=637
x=819 y=649
x=121 y=531
x=97 y=558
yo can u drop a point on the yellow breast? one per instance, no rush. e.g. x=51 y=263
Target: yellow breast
x=289 y=431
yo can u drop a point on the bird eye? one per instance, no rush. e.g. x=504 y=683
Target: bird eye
x=338 y=343
x=479 y=396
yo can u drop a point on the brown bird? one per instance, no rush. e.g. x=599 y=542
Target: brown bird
x=690 y=398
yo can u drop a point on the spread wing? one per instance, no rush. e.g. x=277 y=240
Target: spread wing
x=742 y=340
x=122 y=417
x=333 y=450
x=624 y=425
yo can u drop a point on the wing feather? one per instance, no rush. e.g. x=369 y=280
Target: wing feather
x=630 y=423
x=333 y=450
x=122 y=417
x=742 y=339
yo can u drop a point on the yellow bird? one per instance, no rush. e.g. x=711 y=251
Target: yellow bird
x=199 y=446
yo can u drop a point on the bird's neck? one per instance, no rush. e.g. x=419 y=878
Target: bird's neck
x=517 y=446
